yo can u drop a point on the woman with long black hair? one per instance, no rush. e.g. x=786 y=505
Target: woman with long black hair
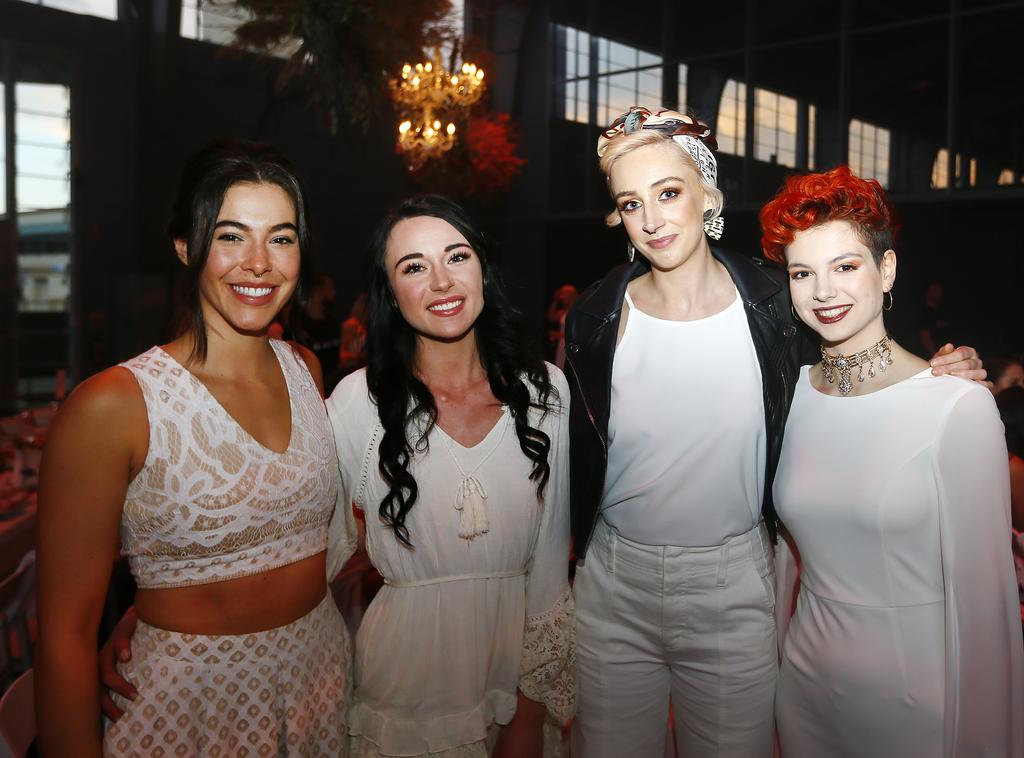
x=453 y=442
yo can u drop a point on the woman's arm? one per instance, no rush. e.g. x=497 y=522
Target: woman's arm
x=96 y=443
x=547 y=677
x=984 y=656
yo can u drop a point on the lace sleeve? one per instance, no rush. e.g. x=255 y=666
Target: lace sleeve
x=547 y=673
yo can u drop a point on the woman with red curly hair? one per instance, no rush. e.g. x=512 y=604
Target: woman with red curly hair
x=681 y=365
x=893 y=484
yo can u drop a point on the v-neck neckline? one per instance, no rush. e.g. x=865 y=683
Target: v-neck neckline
x=220 y=407
x=499 y=425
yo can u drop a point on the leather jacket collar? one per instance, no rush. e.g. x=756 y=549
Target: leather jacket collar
x=591 y=333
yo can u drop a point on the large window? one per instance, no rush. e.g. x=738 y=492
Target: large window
x=622 y=76
x=774 y=128
x=3 y=154
x=731 y=129
x=869 y=151
x=43 y=146
x=627 y=76
x=572 y=46
x=940 y=170
x=215 y=21
x=101 y=8
x=42 y=129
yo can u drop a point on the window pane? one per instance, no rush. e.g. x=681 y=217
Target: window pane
x=43 y=152
x=216 y=21
x=3 y=156
x=683 y=104
x=101 y=8
x=869 y=151
x=732 y=117
x=812 y=125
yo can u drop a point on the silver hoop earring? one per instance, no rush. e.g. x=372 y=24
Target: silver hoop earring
x=630 y=251
x=891 y=300
x=793 y=311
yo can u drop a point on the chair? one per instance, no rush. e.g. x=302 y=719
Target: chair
x=15 y=592
x=18 y=717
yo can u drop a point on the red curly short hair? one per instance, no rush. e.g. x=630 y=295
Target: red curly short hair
x=809 y=200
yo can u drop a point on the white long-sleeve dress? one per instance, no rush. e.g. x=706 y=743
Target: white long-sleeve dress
x=906 y=641
x=460 y=624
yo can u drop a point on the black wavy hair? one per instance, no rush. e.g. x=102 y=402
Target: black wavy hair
x=207 y=177
x=403 y=400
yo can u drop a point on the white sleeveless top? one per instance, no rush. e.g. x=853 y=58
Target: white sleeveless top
x=686 y=434
x=211 y=503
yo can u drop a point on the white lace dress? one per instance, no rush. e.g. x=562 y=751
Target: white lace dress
x=461 y=623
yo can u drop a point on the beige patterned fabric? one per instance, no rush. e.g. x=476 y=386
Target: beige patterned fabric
x=361 y=747
x=547 y=670
x=282 y=692
x=211 y=503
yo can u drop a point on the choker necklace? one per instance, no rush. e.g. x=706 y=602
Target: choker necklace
x=881 y=351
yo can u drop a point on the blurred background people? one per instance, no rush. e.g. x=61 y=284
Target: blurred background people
x=319 y=330
x=353 y=337
x=1004 y=373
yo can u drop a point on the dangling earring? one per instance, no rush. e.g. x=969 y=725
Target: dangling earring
x=713 y=228
x=891 y=300
x=630 y=250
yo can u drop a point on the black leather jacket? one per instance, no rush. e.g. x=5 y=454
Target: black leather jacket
x=591 y=330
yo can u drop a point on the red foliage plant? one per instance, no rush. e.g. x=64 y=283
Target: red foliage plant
x=482 y=164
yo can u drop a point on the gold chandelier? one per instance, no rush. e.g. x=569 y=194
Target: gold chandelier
x=429 y=99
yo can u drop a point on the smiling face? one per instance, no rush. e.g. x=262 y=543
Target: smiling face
x=254 y=259
x=435 y=277
x=661 y=202
x=836 y=286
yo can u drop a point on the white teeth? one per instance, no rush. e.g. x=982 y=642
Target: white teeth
x=833 y=312
x=446 y=306
x=251 y=291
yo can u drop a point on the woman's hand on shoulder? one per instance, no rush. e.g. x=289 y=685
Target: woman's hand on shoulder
x=962 y=362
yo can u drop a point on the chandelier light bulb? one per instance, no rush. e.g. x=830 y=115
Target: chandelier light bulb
x=430 y=100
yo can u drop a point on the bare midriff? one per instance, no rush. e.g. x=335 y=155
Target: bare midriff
x=251 y=603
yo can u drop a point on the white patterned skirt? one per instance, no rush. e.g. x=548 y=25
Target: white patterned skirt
x=281 y=692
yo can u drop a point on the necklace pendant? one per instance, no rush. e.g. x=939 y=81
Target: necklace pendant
x=845 y=385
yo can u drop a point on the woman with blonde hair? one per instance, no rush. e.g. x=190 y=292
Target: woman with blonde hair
x=681 y=366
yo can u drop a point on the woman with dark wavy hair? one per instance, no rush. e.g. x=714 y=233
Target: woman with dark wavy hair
x=453 y=443
x=893 y=483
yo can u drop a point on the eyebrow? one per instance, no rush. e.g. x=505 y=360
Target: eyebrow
x=447 y=249
x=653 y=185
x=838 y=258
x=247 y=228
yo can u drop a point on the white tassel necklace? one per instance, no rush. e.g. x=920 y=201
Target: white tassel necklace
x=471 y=492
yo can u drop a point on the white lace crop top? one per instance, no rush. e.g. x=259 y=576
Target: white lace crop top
x=211 y=503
